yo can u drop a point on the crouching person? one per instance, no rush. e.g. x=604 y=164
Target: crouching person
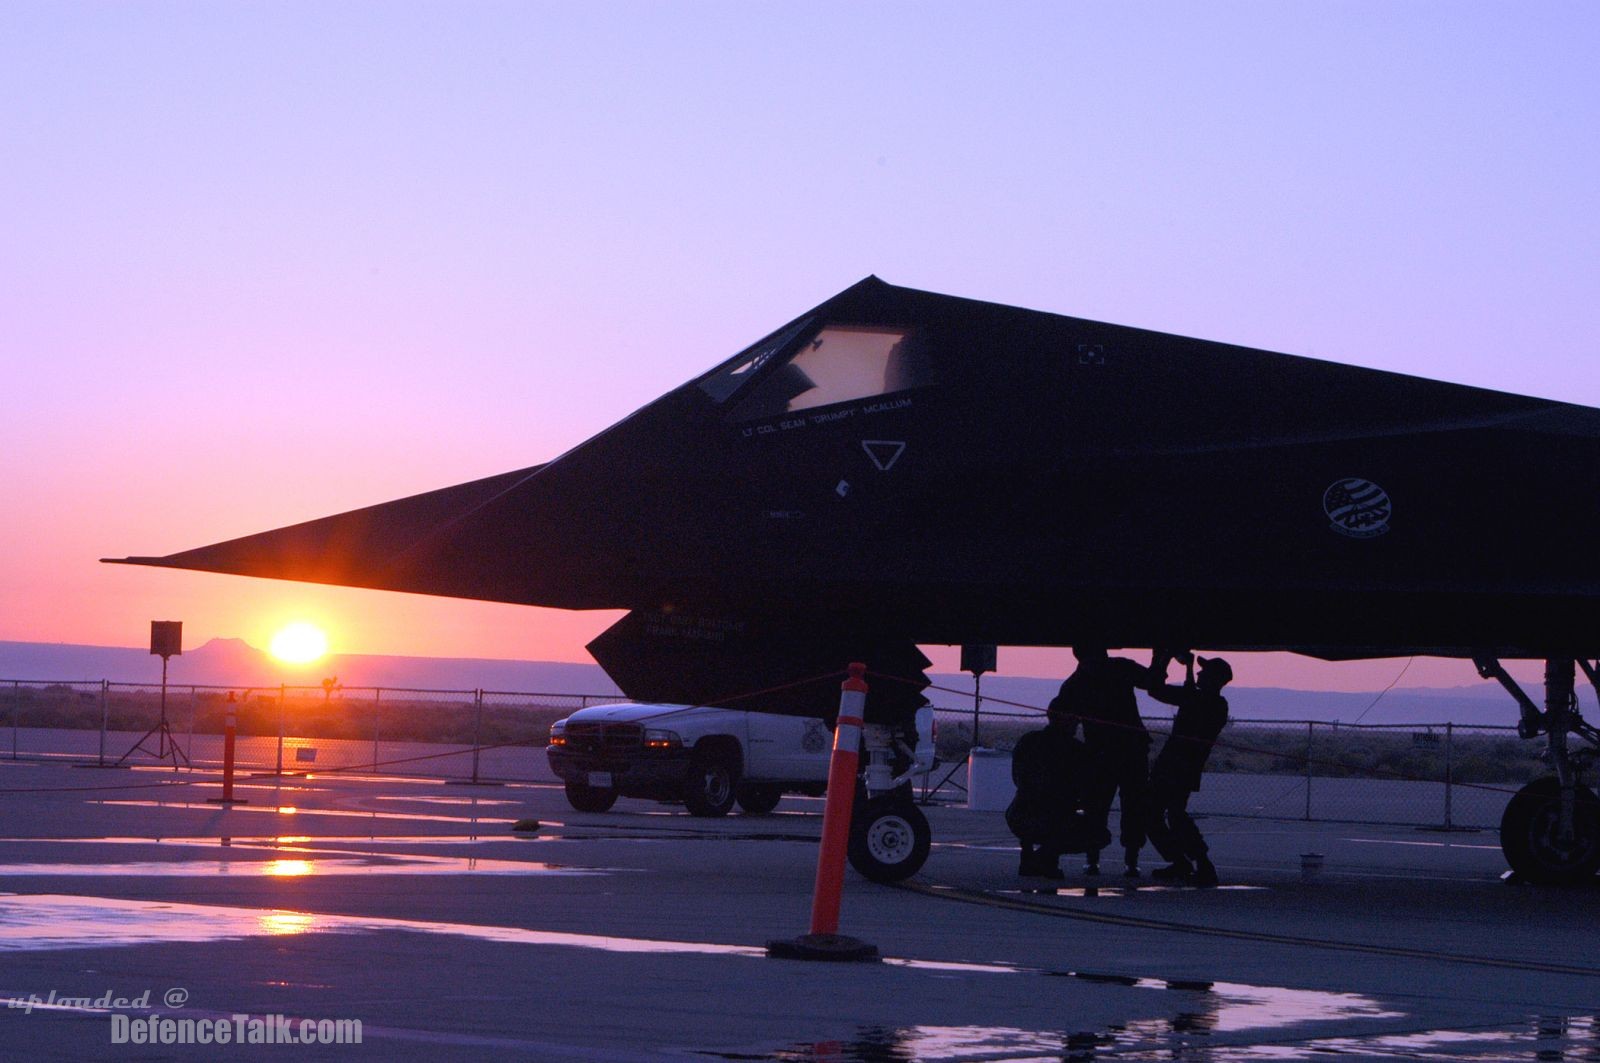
x=1053 y=776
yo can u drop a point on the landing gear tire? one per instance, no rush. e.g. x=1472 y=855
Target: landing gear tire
x=1531 y=838
x=889 y=839
x=757 y=800
x=709 y=788
x=589 y=798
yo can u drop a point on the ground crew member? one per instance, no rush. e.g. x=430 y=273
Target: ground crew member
x=1052 y=772
x=1202 y=712
x=1100 y=692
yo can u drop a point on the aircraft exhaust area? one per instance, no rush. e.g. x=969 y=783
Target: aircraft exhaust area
x=638 y=934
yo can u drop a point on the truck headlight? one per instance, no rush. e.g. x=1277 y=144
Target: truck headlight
x=657 y=739
x=558 y=733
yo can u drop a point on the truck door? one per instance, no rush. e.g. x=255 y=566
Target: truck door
x=789 y=748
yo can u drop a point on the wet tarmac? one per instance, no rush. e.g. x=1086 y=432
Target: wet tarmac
x=639 y=934
x=1186 y=1036
x=1130 y=890
x=308 y=810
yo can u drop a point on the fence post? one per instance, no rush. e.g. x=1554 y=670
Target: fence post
x=477 y=734
x=191 y=726
x=1449 y=772
x=105 y=717
x=230 y=735
x=1311 y=737
x=377 y=718
x=16 y=711
x=283 y=690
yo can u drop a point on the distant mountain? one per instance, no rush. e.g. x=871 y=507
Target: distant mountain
x=234 y=662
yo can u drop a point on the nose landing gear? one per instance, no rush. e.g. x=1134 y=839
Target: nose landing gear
x=889 y=835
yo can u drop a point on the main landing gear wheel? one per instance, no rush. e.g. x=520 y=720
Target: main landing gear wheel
x=1532 y=839
x=889 y=839
x=590 y=798
x=708 y=789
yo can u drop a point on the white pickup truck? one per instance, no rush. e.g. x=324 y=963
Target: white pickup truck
x=711 y=758
x=708 y=758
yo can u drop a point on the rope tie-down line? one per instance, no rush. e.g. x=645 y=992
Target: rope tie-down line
x=1027 y=711
x=1302 y=759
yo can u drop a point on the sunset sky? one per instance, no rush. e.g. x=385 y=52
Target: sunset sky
x=261 y=262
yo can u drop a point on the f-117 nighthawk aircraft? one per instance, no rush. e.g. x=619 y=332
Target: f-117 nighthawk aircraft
x=896 y=467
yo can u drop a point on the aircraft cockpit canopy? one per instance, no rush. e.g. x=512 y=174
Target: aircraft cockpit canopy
x=807 y=366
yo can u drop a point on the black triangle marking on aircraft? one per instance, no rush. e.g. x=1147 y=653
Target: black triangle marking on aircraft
x=883 y=452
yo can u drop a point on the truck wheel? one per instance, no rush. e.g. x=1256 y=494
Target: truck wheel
x=889 y=839
x=1531 y=838
x=708 y=789
x=589 y=798
x=757 y=799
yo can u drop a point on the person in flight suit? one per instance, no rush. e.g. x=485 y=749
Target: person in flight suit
x=1052 y=772
x=1100 y=692
x=1202 y=712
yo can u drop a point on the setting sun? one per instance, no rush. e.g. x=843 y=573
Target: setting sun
x=299 y=643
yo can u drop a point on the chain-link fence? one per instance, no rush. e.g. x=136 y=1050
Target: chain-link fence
x=467 y=735
x=1439 y=775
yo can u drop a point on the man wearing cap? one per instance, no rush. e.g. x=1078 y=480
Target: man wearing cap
x=1202 y=712
x=1052 y=772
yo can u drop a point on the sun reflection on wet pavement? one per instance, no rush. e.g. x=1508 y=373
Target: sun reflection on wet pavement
x=36 y=922
x=1185 y=1036
x=288 y=868
x=351 y=864
x=290 y=810
x=469 y=801
x=1131 y=890
x=278 y=924
x=1247 y=1007
x=275 y=839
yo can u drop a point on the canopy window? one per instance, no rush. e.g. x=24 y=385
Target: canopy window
x=841 y=363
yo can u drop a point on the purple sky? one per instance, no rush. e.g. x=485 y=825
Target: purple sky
x=263 y=262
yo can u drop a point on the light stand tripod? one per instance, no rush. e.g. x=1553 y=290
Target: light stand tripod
x=166 y=639
x=976 y=659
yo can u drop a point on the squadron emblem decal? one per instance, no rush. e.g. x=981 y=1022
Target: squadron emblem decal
x=815 y=739
x=1358 y=508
